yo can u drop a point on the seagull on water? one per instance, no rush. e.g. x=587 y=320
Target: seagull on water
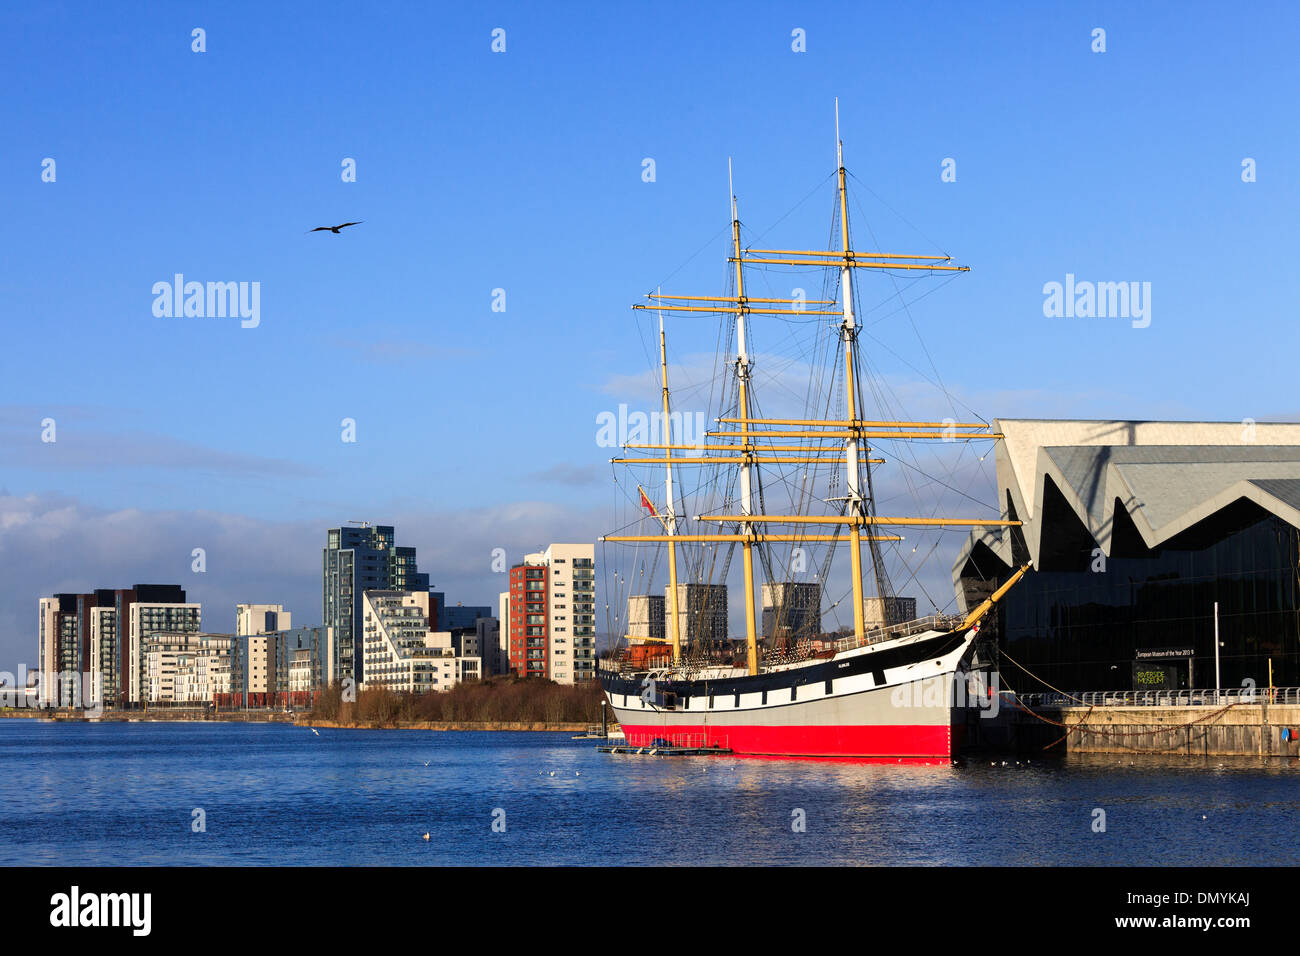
x=315 y=731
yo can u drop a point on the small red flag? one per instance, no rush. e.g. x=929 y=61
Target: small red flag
x=645 y=503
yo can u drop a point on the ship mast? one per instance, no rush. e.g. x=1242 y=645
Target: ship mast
x=670 y=515
x=849 y=335
x=821 y=441
x=747 y=446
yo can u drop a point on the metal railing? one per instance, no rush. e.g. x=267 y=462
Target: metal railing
x=682 y=741
x=619 y=662
x=1208 y=697
x=935 y=622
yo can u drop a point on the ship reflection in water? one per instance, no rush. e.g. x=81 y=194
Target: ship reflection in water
x=123 y=794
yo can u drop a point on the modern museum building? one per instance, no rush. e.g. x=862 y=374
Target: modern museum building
x=1135 y=531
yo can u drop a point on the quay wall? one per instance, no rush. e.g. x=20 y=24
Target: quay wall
x=1238 y=729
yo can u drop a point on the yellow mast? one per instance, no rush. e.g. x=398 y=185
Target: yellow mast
x=747 y=448
x=670 y=519
x=849 y=332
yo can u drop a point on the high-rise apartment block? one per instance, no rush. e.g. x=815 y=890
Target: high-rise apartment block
x=792 y=611
x=645 y=616
x=701 y=612
x=894 y=610
x=551 y=623
x=356 y=560
x=100 y=633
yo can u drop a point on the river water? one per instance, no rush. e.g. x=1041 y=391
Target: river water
x=233 y=793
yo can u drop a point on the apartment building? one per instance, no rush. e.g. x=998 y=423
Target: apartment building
x=302 y=675
x=551 y=619
x=301 y=657
x=646 y=617
x=146 y=620
x=402 y=653
x=356 y=560
x=98 y=633
x=257 y=626
x=701 y=612
x=488 y=646
x=893 y=610
x=792 y=611
x=261 y=619
x=190 y=668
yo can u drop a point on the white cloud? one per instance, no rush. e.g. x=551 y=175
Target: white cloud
x=54 y=544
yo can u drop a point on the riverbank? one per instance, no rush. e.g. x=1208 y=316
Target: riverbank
x=496 y=704
x=176 y=714
x=492 y=725
x=303 y=720
x=492 y=704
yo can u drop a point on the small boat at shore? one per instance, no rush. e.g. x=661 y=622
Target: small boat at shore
x=594 y=733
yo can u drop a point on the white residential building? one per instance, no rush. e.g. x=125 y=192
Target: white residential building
x=48 y=641
x=104 y=649
x=190 y=668
x=572 y=612
x=261 y=619
x=304 y=671
x=259 y=653
x=399 y=650
x=152 y=619
x=257 y=625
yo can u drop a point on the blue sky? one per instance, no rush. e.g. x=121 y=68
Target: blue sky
x=523 y=171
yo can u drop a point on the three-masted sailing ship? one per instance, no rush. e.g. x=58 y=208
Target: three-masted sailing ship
x=885 y=690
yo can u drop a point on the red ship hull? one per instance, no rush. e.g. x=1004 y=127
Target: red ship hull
x=904 y=741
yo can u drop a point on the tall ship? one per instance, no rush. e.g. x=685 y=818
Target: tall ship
x=789 y=494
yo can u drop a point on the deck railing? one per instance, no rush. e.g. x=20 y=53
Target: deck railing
x=619 y=663
x=683 y=741
x=1208 y=697
x=935 y=622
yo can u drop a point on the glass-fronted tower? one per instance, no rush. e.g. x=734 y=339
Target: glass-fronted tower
x=356 y=560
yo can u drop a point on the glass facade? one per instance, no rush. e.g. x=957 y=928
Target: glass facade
x=356 y=560
x=1080 y=621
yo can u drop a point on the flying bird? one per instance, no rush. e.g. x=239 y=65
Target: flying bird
x=335 y=229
